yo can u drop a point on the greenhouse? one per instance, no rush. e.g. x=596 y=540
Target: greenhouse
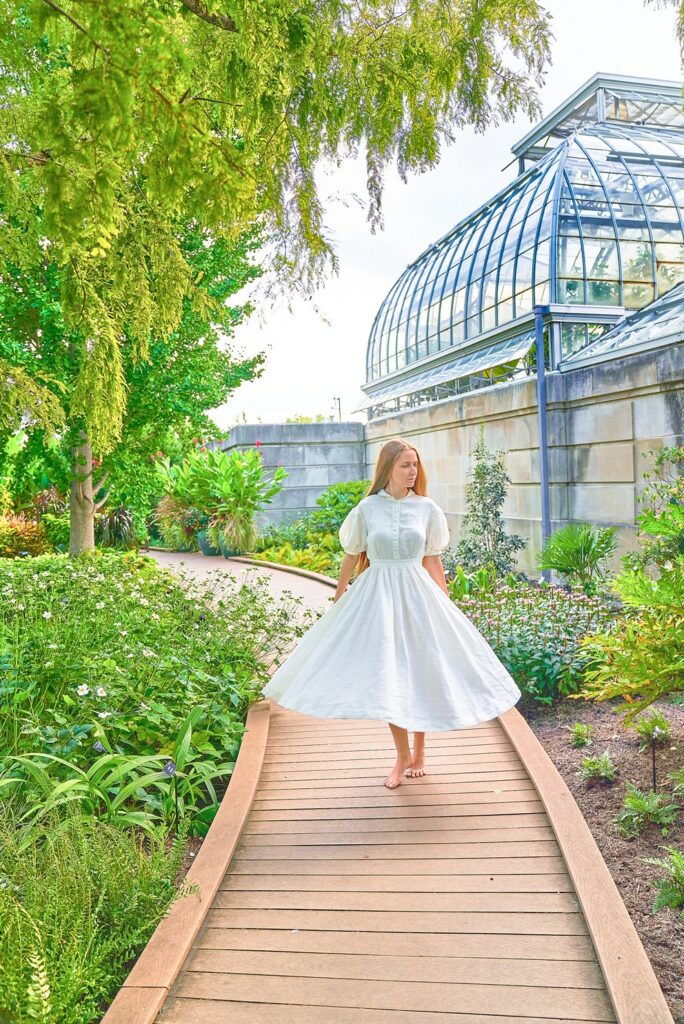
x=589 y=233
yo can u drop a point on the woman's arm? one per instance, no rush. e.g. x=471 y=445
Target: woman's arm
x=433 y=564
x=346 y=570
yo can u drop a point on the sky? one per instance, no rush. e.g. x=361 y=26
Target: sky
x=316 y=353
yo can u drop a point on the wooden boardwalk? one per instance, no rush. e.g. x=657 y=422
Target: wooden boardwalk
x=446 y=900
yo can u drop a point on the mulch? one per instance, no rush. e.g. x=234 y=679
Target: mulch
x=661 y=934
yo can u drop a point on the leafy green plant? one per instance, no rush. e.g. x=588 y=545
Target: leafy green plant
x=579 y=551
x=536 y=632
x=670 y=888
x=677 y=778
x=581 y=734
x=78 y=900
x=115 y=528
x=641 y=808
x=20 y=537
x=653 y=727
x=643 y=661
x=484 y=539
x=602 y=767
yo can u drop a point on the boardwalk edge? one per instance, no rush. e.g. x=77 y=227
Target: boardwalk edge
x=630 y=979
x=148 y=985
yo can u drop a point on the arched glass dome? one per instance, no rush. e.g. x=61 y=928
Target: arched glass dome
x=596 y=221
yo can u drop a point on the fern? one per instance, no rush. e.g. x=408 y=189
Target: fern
x=641 y=808
x=670 y=889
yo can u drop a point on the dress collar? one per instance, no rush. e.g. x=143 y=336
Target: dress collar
x=383 y=491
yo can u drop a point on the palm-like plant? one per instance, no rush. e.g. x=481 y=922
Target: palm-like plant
x=578 y=551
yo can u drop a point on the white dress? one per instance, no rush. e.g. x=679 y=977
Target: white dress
x=394 y=646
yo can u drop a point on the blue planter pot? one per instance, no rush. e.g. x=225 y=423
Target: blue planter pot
x=206 y=547
x=226 y=551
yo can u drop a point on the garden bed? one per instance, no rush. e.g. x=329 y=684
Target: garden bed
x=661 y=934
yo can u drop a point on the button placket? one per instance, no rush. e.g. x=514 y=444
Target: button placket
x=395 y=529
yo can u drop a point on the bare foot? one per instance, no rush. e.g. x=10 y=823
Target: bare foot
x=417 y=766
x=394 y=778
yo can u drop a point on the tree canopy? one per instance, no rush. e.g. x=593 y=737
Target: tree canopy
x=124 y=122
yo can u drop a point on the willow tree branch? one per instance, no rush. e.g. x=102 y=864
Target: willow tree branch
x=223 y=21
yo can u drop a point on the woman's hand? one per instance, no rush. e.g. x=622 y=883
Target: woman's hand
x=346 y=569
x=433 y=564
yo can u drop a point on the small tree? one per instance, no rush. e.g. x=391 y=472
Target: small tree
x=484 y=539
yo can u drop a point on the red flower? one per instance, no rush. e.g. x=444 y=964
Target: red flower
x=195 y=440
x=153 y=456
x=257 y=443
x=160 y=455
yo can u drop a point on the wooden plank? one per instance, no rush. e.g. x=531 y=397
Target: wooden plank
x=445 y=970
x=367 y=943
x=502 y=883
x=577 y=1004
x=456 y=766
x=437 y=902
x=348 y=745
x=399 y=826
x=383 y=921
x=405 y=798
x=391 y=836
x=396 y=851
x=495 y=803
x=195 y=1011
x=430 y=778
x=366 y=757
x=373 y=866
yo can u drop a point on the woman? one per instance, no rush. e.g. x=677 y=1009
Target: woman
x=394 y=646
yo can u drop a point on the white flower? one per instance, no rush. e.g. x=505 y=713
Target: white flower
x=103 y=714
x=100 y=691
x=143 y=600
x=47 y=615
x=82 y=690
x=123 y=632
x=147 y=653
x=52 y=647
x=155 y=616
x=100 y=604
x=21 y=608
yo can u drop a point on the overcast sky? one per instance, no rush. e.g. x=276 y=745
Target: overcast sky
x=311 y=363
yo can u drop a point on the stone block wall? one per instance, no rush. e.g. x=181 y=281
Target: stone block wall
x=600 y=421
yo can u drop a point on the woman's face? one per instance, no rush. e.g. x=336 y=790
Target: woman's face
x=405 y=469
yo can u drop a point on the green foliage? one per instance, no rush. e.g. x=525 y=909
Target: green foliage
x=578 y=551
x=78 y=900
x=652 y=727
x=57 y=526
x=678 y=780
x=20 y=537
x=640 y=809
x=645 y=660
x=597 y=768
x=484 y=540
x=115 y=528
x=671 y=888
x=227 y=487
x=124 y=122
x=581 y=734
x=536 y=632
x=111 y=654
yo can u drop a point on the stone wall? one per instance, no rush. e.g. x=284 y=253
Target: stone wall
x=315 y=455
x=600 y=421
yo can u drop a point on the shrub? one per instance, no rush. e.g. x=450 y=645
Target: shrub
x=76 y=904
x=484 y=539
x=112 y=653
x=578 y=551
x=641 y=808
x=20 y=537
x=536 y=632
x=581 y=734
x=670 y=889
x=594 y=768
x=652 y=727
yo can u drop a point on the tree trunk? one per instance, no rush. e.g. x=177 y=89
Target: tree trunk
x=82 y=532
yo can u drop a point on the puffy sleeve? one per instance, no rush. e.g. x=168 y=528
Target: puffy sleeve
x=437 y=534
x=353 y=532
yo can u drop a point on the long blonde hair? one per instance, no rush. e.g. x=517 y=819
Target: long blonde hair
x=387 y=456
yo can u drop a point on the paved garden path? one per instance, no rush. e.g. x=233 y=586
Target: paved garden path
x=475 y=894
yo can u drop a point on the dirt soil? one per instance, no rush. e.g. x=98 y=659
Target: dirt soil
x=661 y=934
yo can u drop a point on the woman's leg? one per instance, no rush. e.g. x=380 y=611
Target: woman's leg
x=417 y=766
x=401 y=742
